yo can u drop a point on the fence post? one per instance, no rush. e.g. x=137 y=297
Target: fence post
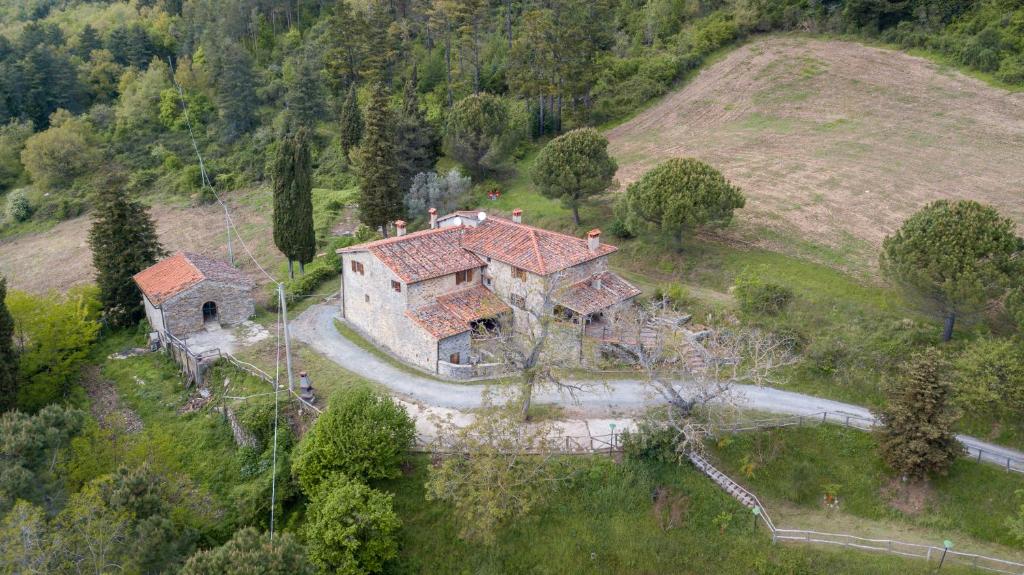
x=979 y=455
x=1007 y=464
x=824 y=416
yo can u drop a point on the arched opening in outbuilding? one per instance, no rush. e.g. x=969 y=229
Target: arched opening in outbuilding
x=209 y=312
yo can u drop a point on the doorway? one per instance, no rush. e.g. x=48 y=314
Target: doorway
x=209 y=312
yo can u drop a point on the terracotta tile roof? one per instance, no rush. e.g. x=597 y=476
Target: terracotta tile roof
x=171 y=276
x=450 y=314
x=533 y=249
x=583 y=298
x=422 y=255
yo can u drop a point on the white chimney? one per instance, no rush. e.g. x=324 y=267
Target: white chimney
x=517 y=216
x=433 y=217
x=594 y=239
x=595 y=282
x=481 y=216
x=399 y=228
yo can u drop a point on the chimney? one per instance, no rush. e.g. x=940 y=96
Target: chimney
x=595 y=282
x=517 y=216
x=594 y=239
x=399 y=228
x=433 y=217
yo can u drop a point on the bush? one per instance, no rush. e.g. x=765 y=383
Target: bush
x=618 y=229
x=249 y=552
x=677 y=296
x=757 y=296
x=19 y=208
x=363 y=434
x=653 y=440
x=350 y=528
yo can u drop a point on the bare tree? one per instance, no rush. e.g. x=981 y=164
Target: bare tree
x=494 y=470
x=538 y=348
x=691 y=370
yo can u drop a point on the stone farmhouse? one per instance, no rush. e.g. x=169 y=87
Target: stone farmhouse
x=186 y=292
x=422 y=295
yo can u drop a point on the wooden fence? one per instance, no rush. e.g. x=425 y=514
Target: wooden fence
x=193 y=365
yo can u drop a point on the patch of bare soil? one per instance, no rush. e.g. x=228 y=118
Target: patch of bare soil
x=106 y=406
x=835 y=143
x=669 y=508
x=59 y=258
x=908 y=497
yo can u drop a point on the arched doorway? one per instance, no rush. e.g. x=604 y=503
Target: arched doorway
x=209 y=312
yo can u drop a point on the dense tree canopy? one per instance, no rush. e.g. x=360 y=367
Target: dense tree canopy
x=8 y=354
x=380 y=198
x=916 y=435
x=250 y=552
x=351 y=120
x=573 y=167
x=677 y=196
x=363 y=434
x=954 y=257
x=28 y=445
x=479 y=133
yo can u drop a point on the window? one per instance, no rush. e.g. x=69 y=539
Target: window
x=517 y=300
x=358 y=267
x=397 y=286
x=519 y=274
x=463 y=276
x=453 y=358
x=367 y=298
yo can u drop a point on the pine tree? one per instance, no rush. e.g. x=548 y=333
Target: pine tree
x=236 y=89
x=351 y=121
x=916 y=435
x=304 y=96
x=380 y=198
x=8 y=355
x=293 y=201
x=417 y=144
x=124 y=242
x=88 y=40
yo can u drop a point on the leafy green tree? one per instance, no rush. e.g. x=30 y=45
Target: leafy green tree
x=916 y=436
x=574 y=167
x=26 y=542
x=12 y=140
x=94 y=537
x=350 y=528
x=53 y=336
x=1015 y=306
x=363 y=434
x=479 y=133
x=124 y=242
x=679 y=195
x=250 y=552
x=8 y=355
x=29 y=445
x=351 y=121
x=304 y=96
x=954 y=257
x=138 y=107
x=417 y=145
x=58 y=156
x=293 y=201
x=380 y=198
x=989 y=377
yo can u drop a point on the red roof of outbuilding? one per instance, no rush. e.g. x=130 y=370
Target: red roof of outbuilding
x=171 y=276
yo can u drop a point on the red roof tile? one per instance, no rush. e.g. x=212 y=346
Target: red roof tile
x=173 y=275
x=533 y=249
x=451 y=313
x=422 y=255
x=583 y=298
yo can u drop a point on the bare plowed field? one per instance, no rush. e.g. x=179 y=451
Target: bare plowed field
x=835 y=143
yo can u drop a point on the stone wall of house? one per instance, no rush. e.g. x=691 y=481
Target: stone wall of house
x=156 y=320
x=424 y=292
x=459 y=344
x=373 y=307
x=465 y=372
x=183 y=313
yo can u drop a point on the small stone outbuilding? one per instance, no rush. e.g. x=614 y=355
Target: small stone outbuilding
x=186 y=292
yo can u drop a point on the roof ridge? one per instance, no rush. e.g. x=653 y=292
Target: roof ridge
x=536 y=250
x=397 y=239
x=536 y=228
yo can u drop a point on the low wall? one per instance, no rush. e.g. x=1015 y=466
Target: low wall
x=467 y=371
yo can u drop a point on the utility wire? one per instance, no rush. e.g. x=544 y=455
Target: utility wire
x=273 y=473
x=206 y=179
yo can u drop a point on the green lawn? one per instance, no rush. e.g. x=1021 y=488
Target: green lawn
x=604 y=522
x=794 y=465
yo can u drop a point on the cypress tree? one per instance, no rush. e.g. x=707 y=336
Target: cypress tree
x=380 y=198
x=916 y=435
x=417 y=144
x=351 y=121
x=8 y=355
x=124 y=242
x=293 y=201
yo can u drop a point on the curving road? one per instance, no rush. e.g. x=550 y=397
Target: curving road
x=315 y=327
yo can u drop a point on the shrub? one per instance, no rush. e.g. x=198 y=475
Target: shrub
x=618 y=229
x=653 y=440
x=676 y=295
x=757 y=296
x=363 y=434
x=249 y=552
x=350 y=528
x=19 y=208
